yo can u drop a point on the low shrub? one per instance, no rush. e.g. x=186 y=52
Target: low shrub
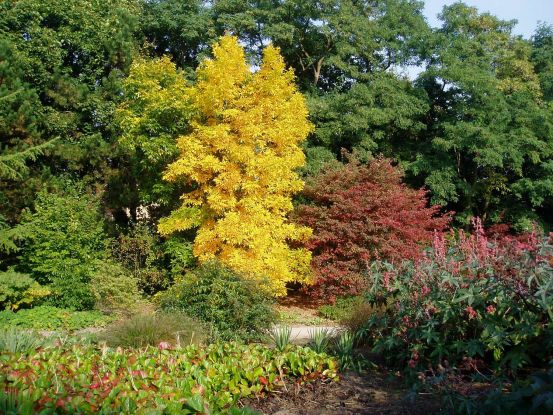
x=471 y=296
x=351 y=312
x=19 y=290
x=52 y=318
x=114 y=289
x=341 y=309
x=143 y=254
x=152 y=329
x=191 y=380
x=358 y=316
x=235 y=307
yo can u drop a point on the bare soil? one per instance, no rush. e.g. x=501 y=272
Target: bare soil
x=372 y=393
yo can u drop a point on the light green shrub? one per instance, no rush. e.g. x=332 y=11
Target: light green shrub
x=19 y=290
x=114 y=289
x=52 y=318
x=65 y=239
x=341 y=309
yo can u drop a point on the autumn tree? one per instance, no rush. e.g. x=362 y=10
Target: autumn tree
x=360 y=213
x=241 y=156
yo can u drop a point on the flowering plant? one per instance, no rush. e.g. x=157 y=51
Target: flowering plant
x=484 y=296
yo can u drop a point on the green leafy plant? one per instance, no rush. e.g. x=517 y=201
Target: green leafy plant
x=320 y=340
x=179 y=252
x=235 y=307
x=17 y=290
x=280 y=336
x=52 y=318
x=343 y=348
x=114 y=289
x=64 y=242
x=152 y=329
x=191 y=380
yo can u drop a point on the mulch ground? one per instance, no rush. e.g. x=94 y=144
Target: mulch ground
x=372 y=393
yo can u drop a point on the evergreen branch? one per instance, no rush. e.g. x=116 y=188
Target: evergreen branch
x=13 y=166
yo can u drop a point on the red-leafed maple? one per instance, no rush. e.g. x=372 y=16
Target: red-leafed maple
x=359 y=213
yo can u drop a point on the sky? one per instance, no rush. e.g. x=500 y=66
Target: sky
x=527 y=12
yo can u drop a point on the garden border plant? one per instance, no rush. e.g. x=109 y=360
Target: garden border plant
x=191 y=379
x=471 y=296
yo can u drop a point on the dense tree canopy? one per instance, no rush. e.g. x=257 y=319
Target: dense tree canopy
x=106 y=94
x=542 y=58
x=70 y=57
x=487 y=146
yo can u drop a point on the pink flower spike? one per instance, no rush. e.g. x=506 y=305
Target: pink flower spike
x=163 y=346
x=470 y=311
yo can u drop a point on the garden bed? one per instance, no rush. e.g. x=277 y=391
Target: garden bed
x=376 y=392
x=193 y=379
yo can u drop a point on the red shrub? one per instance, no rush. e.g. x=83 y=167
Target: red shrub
x=359 y=213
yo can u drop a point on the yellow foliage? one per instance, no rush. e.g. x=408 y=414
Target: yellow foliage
x=32 y=294
x=155 y=110
x=241 y=157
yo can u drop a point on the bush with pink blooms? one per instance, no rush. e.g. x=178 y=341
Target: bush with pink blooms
x=485 y=298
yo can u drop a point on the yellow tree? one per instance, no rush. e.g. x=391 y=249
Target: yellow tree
x=241 y=157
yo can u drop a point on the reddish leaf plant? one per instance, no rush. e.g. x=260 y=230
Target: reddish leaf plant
x=359 y=213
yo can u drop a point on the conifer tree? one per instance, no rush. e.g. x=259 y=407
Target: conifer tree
x=242 y=156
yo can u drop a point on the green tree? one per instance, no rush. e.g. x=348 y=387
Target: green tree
x=542 y=58
x=156 y=109
x=64 y=245
x=18 y=104
x=488 y=145
x=347 y=56
x=71 y=57
x=19 y=140
x=182 y=29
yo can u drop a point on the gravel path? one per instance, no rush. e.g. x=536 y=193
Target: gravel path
x=302 y=334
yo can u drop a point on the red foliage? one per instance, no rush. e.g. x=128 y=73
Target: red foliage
x=359 y=213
